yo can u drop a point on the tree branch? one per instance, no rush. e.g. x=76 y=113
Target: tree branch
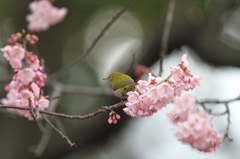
x=104 y=109
x=226 y=112
x=166 y=33
x=32 y=112
x=216 y=101
x=226 y=135
x=72 y=144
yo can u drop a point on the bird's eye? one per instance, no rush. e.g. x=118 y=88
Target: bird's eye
x=110 y=78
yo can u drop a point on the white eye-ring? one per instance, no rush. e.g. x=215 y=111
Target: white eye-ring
x=110 y=78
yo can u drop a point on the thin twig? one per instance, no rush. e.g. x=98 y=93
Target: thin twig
x=226 y=112
x=59 y=125
x=72 y=144
x=226 y=135
x=83 y=57
x=216 y=101
x=104 y=109
x=166 y=33
x=31 y=111
x=209 y=111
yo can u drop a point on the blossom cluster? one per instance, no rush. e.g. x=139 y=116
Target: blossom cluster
x=154 y=94
x=113 y=117
x=27 y=81
x=43 y=15
x=193 y=126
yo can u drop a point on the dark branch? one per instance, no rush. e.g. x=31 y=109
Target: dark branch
x=34 y=116
x=226 y=135
x=226 y=112
x=216 y=101
x=166 y=33
x=104 y=109
x=72 y=144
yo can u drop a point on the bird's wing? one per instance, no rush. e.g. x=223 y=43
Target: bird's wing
x=121 y=82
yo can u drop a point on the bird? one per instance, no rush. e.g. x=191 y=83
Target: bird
x=121 y=84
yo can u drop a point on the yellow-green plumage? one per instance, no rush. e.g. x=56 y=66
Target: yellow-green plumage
x=121 y=84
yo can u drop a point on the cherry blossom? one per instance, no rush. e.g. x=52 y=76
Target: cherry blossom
x=43 y=15
x=14 y=54
x=28 y=79
x=155 y=93
x=193 y=126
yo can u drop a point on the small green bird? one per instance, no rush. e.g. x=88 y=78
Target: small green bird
x=121 y=84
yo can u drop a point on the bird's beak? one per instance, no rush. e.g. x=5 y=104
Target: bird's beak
x=105 y=79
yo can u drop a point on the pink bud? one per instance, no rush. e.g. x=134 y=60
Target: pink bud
x=113 y=117
x=118 y=116
x=115 y=121
x=13 y=39
x=34 y=39
x=110 y=120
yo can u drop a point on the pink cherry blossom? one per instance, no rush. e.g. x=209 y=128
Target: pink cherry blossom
x=12 y=95
x=196 y=80
x=140 y=109
x=24 y=89
x=14 y=55
x=21 y=103
x=57 y=15
x=142 y=86
x=37 y=23
x=177 y=73
x=155 y=93
x=184 y=62
x=15 y=63
x=43 y=103
x=152 y=94
x=133 y=97
x=26 y=94
x=198 y=133
x=35 y=89
x=14 y=85
x=26 y=76
x=153 y=80
x=33 y=61
x=193 y=126
x=18 y=52
x=43 y=15
x=183 y=106
x=165 y=90
x=7 y=52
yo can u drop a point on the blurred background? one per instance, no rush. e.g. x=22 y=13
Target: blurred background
x=207 y=30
